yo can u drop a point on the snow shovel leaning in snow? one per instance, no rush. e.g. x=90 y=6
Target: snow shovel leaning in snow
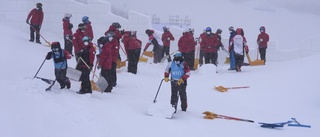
x=224 y=89
x=255 y=62
x=211 y=116
x=94 y=86
x=160 y=110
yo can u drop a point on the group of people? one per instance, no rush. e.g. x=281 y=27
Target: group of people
x=80 y=43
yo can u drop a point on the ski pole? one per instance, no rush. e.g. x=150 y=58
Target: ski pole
x=40 y=68
x=154 y=101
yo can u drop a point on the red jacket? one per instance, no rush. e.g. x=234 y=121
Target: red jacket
x=166 y=37
x=77 y=41
x=210 y=43
x=201 y=37
x=89 y=31
x=67 y=29
x=114 y=50
x=36 y=17
x=263 y=39
x=133 y=43
x=106 y=56
x=87 y=53
x=186 y=43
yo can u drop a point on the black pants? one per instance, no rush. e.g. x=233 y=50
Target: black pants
x=113 y=75
x=157 y=54
x=106 y=73
x=262 y=52
x=133 y=59
x=35 y=29
x=68 y=44
x=201 y=56
x=181 y=89
x=61 y=77
x=85 y=81
x=211 y=58
x=189 y=59
x=238 y=61
x=166 y=52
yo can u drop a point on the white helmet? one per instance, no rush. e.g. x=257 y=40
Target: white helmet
x=67 y=15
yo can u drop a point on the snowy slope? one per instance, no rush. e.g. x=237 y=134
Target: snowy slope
x=278 y=91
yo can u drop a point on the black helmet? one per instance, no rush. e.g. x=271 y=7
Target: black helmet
x=116 y=24
x=81 y=26
x=219 y=31
x=39 y=5
x=55 y=46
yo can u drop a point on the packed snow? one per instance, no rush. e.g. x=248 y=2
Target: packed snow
x=279 y=91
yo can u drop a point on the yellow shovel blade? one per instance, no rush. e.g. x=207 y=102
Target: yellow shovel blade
x=142 y=59
x=148 y=53
x=94 y=86
x=221 y=89
x=257 y=63
x=227 y=60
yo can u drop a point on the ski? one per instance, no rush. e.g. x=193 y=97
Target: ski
x=297 y=124
x=274 y=125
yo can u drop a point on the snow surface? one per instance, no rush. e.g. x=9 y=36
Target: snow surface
x=278 y=91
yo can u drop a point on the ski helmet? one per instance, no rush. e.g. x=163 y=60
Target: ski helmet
x=165 y=28
x=208 y=29
x=67 y=15
x=116 y=24
x=219 y=31
x=39 y=5
x=55 y=46
x=85 y=19
x=231 y=28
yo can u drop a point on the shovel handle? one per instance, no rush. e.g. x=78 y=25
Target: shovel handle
x=238 y=87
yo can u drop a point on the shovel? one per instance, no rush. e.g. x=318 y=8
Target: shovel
x=225 y=89
x=256 y=62
x=148 y=53
x=143 y=59
x=93 y=85
x=120 y=63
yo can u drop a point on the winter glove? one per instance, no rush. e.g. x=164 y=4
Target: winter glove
x=180 y=81
x=27 y=21
x=39 y=26
x=166 y=79
x=122 y=31
x=49 y=55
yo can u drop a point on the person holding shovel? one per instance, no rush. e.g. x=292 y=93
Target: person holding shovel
x=86 y=58
x=36 y=15
x=60 y=57
x=180 y=72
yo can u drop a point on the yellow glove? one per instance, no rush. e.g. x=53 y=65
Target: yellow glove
x=180 y=81
x=166 y=79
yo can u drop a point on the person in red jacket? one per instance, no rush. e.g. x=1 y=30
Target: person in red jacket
x=67 y=32
x=77 y=39
x=134 y=49
x=85 y=64
x=154 y=39
x=239 y=44
x=88 y=31
x=210 y=43
x=201 y=55
x=60 y=57
x=166 y=38
x=117 y=35
x=262 y=40
x=105 y=61
x=36 y=16
x=186 y=46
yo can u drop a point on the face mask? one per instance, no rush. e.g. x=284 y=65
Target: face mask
x=110 y=38
x=177 y=62
x=261 y=30
x=86 y=43
x=208 y=32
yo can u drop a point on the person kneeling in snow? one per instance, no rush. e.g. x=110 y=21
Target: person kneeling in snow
x=180 y=72
x=60 y=57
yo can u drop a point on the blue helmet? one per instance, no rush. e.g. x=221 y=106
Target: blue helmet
x=208 y=29
x=85 y=19
x=85 y=38
x=177 y=54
